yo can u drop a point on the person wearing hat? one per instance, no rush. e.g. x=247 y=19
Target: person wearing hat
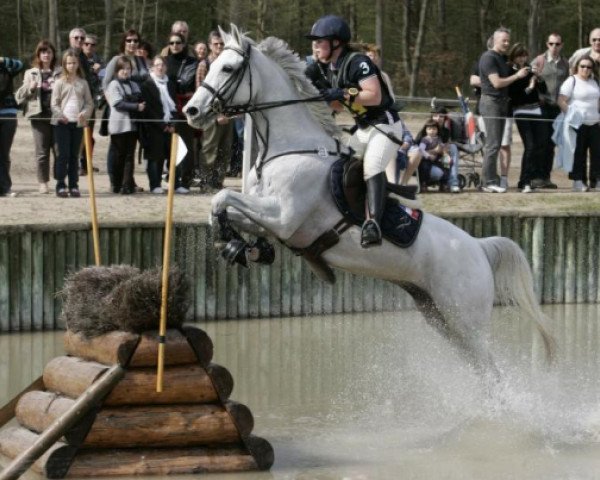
x=354 y=82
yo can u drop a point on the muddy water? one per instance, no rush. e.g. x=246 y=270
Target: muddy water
x=382 y=396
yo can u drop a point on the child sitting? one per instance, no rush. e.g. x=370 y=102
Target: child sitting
x=436 y=162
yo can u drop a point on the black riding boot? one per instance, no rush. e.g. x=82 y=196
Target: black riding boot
x=371 y=232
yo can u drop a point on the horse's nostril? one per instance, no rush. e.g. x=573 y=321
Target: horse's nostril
x=192 y=111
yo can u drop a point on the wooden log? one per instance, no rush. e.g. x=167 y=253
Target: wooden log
x=182 y=384
x=78 y=410
x=71 y=376
x=161 y=461
x=261 y=450
x=189 y=346
x=52 y=464
x=200 y=343
x=108 y=349
x=168 y=426
x=141 y=426
x=7 y=412
x=38 y=410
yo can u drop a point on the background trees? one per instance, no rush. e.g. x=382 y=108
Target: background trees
x=428 y=45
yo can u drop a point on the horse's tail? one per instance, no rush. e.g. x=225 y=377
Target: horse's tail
x=514 y=284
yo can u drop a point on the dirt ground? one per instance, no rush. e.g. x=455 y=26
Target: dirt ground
x=30 y=207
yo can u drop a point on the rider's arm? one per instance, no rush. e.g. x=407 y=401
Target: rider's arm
x=370 y=93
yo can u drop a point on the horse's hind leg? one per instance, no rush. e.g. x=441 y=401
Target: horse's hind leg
x=471 y=344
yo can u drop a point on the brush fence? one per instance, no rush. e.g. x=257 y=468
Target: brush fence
x=563 y=252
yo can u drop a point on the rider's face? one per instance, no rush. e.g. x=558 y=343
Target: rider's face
x=322 y=49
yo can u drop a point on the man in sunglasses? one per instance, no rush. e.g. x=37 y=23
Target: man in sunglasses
x=592 y=51
x=553 y=69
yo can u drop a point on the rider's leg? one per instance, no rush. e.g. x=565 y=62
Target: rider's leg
x=380 y=150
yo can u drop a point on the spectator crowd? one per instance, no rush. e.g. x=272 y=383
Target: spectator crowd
x=136 y=99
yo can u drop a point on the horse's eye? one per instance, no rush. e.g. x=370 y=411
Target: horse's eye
x=227 y=69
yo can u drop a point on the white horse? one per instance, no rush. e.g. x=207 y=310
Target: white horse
x=454 y=278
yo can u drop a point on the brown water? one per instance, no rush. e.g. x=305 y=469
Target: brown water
x=382 y=396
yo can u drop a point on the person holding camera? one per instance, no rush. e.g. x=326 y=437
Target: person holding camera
x=524 y=96
x=126 y=104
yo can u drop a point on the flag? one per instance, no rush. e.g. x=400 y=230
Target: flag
x=181 y=150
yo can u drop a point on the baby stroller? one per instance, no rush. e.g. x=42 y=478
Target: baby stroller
x=468 y=139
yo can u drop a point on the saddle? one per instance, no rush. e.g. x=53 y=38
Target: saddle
x=399 y=224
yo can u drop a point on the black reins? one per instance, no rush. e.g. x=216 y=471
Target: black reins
x=229 y=88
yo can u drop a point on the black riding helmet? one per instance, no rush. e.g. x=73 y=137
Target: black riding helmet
x=330 y=27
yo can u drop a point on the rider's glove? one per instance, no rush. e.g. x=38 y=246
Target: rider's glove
x=332 y=94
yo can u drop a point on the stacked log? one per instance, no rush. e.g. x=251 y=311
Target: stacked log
x=190 y=427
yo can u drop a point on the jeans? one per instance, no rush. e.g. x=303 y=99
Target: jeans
x=453 y=151
x=8 y=128
x=494 y=111
x=588 y=138
x=43 y=139
x=549 y=113
x=68 y=139
x=532 y=131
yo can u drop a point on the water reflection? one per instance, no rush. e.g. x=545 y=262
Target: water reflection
x=369 y=395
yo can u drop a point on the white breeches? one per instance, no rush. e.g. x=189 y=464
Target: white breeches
x=375 y=148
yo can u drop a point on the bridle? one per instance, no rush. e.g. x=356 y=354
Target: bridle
x=222 y=96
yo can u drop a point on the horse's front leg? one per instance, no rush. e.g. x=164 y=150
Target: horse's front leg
x=237 y=249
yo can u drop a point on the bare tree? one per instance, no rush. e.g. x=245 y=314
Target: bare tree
x=379 y=25
x=484 y=7
x=53 y=24
x=533 y=25
x=108 y=19
x=412 y=63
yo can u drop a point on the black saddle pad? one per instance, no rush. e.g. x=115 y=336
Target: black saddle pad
x=400 y=224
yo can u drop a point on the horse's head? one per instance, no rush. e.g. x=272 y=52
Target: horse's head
x=228 y=81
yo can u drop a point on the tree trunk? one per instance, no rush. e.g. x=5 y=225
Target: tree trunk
x=53 y=24
x=406 y=57
x=379 y=26
x=580 y=24
x=416 y=59
x=484 y=10
x=19 y=28
x=142 y=13
x=108 y=19
x=261 y=12
x=532 y=26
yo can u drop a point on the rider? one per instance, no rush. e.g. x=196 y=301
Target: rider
x=352 y=80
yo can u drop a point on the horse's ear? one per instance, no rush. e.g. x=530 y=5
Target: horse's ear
x=236 y=35
x=223 y=33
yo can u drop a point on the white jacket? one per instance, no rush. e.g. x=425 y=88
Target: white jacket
x=565 y=137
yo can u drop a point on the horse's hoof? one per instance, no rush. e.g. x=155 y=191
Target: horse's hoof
x=236 y=251
x=266 y=252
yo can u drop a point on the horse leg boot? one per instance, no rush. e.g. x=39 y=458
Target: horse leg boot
x=376 y=192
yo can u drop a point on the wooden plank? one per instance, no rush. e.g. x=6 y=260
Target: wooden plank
x=59 y=273
x=26 y=279
x=14 y=262
x=199 y=284
x=50 y=436
x=4 y=283
x=49 y=280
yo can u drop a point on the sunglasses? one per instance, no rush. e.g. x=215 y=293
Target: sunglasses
x=218 y=43
x=132 y=40
x=88 y=44
x=589 y=67
x=554 y=44
x=595 y=40
x=79 y=38
x=175 y=43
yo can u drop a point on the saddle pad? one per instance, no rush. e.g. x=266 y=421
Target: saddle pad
x=399 y=225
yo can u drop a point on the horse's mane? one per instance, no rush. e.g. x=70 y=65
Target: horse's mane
x=279 y=51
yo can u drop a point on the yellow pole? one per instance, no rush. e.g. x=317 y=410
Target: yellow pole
x=162 y=331
x=87 y=132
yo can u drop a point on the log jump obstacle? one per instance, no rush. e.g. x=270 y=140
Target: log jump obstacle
x=96 y=412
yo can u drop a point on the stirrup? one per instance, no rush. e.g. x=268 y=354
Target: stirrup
x=367 y=231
